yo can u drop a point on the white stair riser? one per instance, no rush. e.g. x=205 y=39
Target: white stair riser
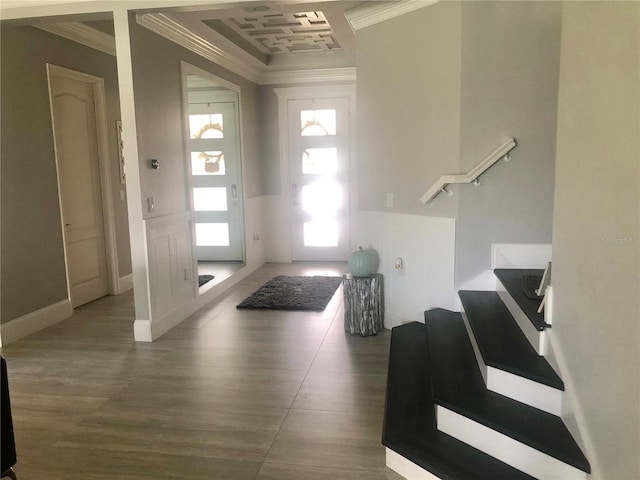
x=406 y=468
x=513 y=386
x=536 y=338
x=504 y=448
x=524 y=390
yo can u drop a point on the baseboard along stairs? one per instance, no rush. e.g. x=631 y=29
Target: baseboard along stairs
x=471 y=396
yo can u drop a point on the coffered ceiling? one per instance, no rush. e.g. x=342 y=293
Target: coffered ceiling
x=281 y=33
x=265 y=41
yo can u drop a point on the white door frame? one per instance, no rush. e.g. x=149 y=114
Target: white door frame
x=105 y=172
x=305 y=93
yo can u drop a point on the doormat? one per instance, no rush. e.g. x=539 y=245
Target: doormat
x=293 y=293
x=202 y=279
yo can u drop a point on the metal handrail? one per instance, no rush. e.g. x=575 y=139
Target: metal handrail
x=472 y=177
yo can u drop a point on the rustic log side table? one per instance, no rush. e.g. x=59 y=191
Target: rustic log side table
x=363 y=304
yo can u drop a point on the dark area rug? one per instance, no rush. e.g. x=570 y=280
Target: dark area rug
x=293 y=293
x=202 y=279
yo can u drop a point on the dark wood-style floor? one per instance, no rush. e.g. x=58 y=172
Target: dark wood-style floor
x=227 y=394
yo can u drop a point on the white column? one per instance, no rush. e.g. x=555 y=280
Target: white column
x=137 y=233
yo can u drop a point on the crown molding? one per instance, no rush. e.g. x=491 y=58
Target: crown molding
x=374 y=12
x=347 y=74
x=174 y=31
x=31 y=9
x=83 y=34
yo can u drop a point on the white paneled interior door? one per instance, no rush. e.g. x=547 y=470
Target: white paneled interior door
x=73 y=105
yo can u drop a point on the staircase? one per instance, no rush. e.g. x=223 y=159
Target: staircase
x=471 y=396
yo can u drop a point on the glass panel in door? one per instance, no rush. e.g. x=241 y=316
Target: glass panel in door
x=319 y=162
x=215 y=176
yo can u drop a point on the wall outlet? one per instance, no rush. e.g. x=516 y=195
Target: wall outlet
x=256 y=237
x=399 y=265
x=389 y=200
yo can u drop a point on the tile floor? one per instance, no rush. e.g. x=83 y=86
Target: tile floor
x=219 y=270
x=227 y=394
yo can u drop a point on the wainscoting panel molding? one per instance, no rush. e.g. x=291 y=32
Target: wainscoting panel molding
x=170 y=264
x=426 y=246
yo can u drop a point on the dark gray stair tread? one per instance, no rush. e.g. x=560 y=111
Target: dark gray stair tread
x=458 y=386
x=511 y=278
x=501 y=341
x=410 y=423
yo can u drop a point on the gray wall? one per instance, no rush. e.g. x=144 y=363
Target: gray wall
x=438 y=90
x=159 y=117
x=510 y=63
x=270 y=140
x=33 y=272
x=596 y=231
x=408 y=103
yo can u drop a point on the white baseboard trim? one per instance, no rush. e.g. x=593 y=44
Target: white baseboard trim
x=142 y=331
x=161 y=326
x=34 y=321
x=406 y=468
x=125 y=283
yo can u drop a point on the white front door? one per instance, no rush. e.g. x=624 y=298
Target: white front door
x=215 y=180
x=319 y=168
x=76 y=145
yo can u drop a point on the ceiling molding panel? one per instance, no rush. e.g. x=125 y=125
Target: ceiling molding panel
x=183 y=36
x=374 y=12
x=83 y=34
x=347 y=74
x=285 y=32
